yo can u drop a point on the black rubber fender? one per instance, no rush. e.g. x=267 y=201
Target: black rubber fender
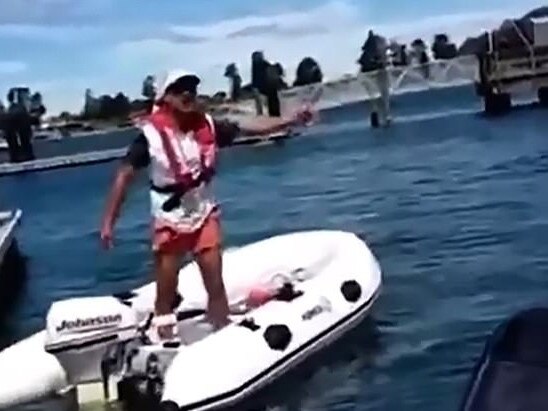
x=277 y=336
x=125 y=295
x=351 y=291
x=250 y=324
x=168 y=406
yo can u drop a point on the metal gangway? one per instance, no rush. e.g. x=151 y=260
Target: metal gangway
x=378 y=86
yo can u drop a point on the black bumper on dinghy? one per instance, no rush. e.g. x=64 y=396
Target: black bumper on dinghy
x=512 y=372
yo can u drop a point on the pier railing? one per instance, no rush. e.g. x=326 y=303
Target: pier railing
x=392 y=81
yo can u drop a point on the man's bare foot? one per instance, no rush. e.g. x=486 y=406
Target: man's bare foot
x=219 y=324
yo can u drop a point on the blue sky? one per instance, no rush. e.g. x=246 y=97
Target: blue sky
x=60 y=47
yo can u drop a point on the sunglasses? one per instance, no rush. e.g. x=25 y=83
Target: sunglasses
x=185 y=96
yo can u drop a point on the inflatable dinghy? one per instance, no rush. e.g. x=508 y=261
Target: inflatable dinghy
x=324 y=283
x=512 y=373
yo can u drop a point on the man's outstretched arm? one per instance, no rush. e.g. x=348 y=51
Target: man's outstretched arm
x=228 y=130
x=261 y=125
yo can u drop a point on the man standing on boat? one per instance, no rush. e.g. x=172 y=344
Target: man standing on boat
x=178 y=142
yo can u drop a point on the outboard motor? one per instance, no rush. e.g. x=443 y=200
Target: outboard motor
x=86 y=333
x=101 y=340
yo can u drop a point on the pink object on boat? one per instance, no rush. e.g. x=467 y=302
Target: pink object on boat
x=259 y=296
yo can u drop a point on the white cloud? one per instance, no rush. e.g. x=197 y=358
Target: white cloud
x=309 y=21
x=50 y=11
x=48 y=33
x=12 y=67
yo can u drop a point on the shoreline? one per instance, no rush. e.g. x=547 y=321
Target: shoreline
x=290 y=99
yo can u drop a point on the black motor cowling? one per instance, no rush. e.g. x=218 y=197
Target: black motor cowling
x=143 y=386
x=139 y=393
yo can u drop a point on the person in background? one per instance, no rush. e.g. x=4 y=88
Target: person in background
x=274 y=83
x=17 y=129
x=258 y=79
x=37 y=109
x=231 y=72
x=178 y=145
x=267 y=81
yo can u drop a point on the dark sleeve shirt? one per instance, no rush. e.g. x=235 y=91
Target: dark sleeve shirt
x=138 y=155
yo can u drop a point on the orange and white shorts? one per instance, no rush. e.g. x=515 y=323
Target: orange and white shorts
x=168 y=240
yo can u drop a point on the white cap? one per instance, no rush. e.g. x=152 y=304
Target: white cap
x=171 y=77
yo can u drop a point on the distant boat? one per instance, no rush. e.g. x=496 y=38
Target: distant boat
x=8 y=223
x=48 y=135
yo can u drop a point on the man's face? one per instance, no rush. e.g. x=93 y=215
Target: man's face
x=182 y=96
x=183 y=102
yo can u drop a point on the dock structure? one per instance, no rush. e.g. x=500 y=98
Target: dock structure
x=95 y=157
x=515 y=61
x=260 y=140
x=377 y=87
x=51 y=163
x=8 y=223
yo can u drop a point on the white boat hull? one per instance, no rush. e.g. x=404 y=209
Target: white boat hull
x=339 y=279
x=9 y=221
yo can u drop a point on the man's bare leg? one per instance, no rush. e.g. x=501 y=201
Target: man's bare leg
x=166 y=269
x=210 y=262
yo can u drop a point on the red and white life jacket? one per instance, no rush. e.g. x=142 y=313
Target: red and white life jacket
x=191 y=152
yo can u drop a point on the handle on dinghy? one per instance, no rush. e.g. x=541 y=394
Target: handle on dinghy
x=285 y=293
x=189 y=314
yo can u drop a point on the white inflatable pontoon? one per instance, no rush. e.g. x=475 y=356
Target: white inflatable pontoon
x=326 y=283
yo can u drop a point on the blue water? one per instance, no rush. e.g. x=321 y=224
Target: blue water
x=454 y=205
